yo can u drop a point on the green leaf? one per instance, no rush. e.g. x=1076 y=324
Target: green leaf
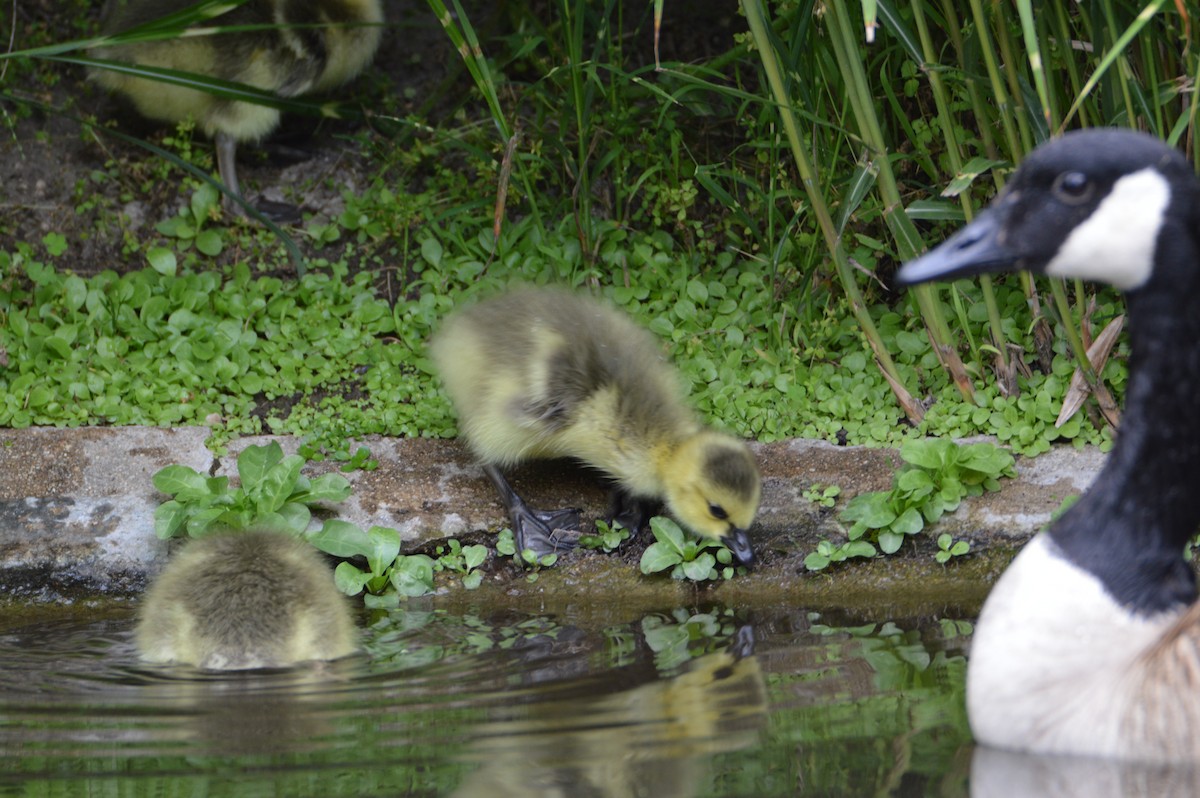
x=177 y=227
x=341 y=539
x=294 y=516
x=204 y=521
x=431 y=250
x=859 y=548
x=987 y=459
x=209 y=242
x=182 y=482
x=874 y=509
x=413 y=575
x=700 y=568
x=277 y=484
x=76 y=291
x=255 y=461
x=204 y=199
x=384 y=544
x=474 y=555
x=349 y=579
x=908 y=522
x=55 y=243
x=505 y=543
x=659 y=557
x=914 y=480
x=927 y=453
x=162 y=260
x=969 y=172
x=169 y=518
x=331 y=488
x=889 y=542
x=816 y=561
x=472 y=580
x=667 y=532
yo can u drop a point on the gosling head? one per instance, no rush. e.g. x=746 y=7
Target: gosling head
x=712 y=487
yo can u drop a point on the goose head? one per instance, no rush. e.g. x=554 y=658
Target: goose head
x=1094 y=204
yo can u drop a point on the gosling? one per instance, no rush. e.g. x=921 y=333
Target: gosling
x=312 y=47
x=242 y=600
x=544 y=373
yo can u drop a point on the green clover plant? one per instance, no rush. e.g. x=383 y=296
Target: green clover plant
x=937 y=475
x=273 y=493
x=696 y=559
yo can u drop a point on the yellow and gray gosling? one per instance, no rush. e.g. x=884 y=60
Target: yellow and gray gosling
x=1090 y=641
x=241 y=600
x=330 y=43
x=544 y=373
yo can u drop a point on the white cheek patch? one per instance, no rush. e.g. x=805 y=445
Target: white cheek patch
x=1116 y=243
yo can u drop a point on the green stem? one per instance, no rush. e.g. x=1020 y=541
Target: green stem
x=808 y=176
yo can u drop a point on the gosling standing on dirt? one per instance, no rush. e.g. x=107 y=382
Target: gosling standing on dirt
x=240 y=600
x=544 y=372
x=313 y=47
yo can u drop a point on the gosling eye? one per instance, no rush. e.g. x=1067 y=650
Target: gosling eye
x=1072 y=188
x=718 y=512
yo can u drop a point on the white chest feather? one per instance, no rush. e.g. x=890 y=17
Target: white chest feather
x=1056 y=665
x=1116 y=243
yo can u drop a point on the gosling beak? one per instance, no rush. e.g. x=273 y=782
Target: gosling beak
x=739 y=543
x=975 y=249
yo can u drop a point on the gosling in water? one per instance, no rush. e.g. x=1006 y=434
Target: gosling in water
x=241 y=600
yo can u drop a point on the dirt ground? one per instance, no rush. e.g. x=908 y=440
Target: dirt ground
x=53 y=165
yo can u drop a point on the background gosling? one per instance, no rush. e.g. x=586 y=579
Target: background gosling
x=288 y=61
x=239 y=600
x=544 y=373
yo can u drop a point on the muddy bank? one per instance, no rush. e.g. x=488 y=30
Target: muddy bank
x=77 y=508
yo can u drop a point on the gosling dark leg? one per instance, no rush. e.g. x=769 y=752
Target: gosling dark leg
x=532 y=529
x=632 y=512
x=278 y=212
x=227 y=167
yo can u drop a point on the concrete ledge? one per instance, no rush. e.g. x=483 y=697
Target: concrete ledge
x=77 y=505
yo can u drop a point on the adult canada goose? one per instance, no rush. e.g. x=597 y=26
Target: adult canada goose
x=544 y=373
x=1090 y=641
x=239 y=600
x=313 y=46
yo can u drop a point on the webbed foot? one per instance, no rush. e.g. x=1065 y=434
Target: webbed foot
x=535 y=530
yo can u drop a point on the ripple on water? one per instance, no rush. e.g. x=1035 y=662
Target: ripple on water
x=679 y=703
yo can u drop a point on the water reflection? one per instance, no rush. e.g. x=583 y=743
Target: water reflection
x=653 y=739
x=680 y=703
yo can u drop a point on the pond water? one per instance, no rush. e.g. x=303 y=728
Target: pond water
x=685 y=702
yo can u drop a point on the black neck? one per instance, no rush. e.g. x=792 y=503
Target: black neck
x=1131 y=527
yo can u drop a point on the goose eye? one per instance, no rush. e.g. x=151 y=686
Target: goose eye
x=718 y=512
x=1073 y=188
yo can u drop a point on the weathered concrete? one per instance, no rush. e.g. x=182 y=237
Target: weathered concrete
x=76 y=505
